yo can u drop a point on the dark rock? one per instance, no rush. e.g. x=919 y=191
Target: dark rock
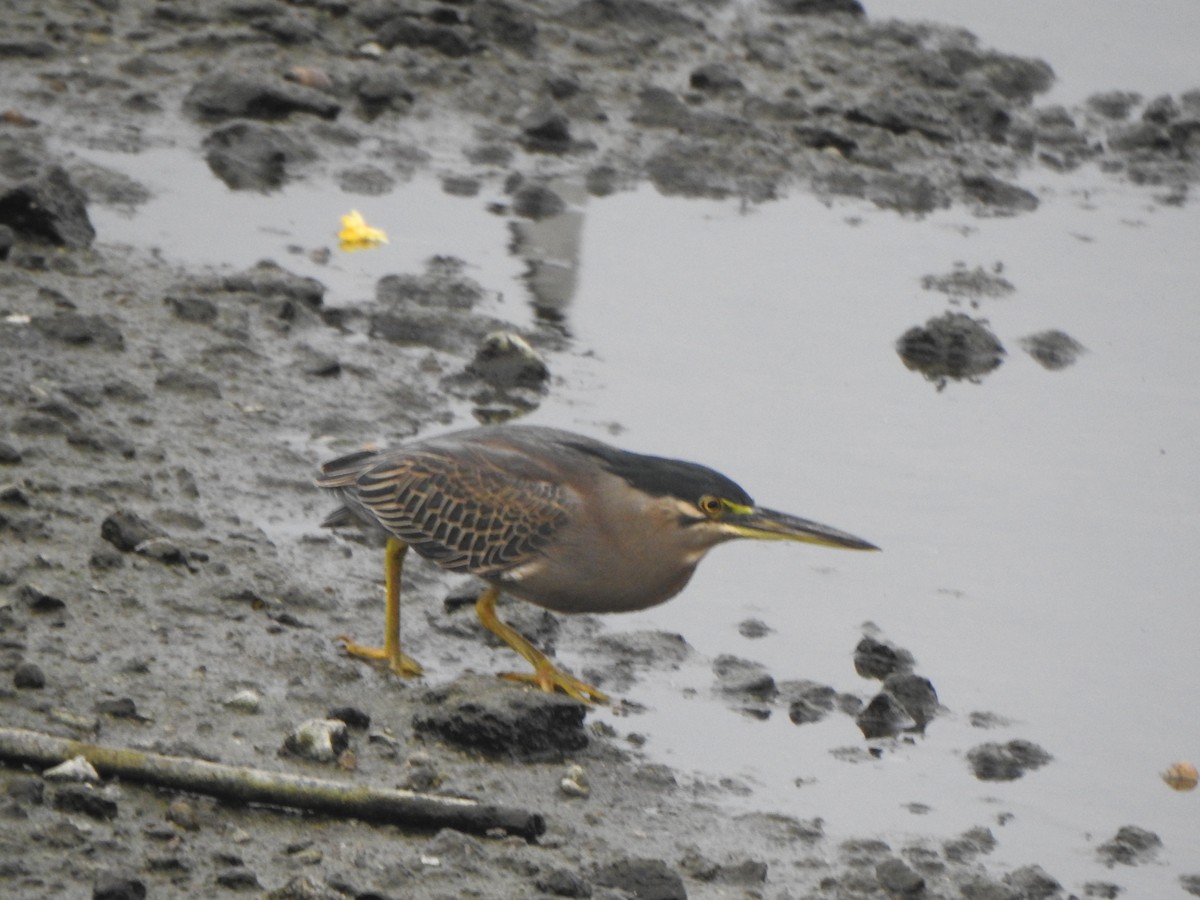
x=1032 y=883
x=969 y=284
x=403 y=30
x=898 y=880
x=39 y=601
x=115 y=886
x=484 y=714
x=238 y=878
x=127 y=531
x=119 y=708
x=536 y=201
x=461 y=186
x=878 y=659
x=884 y=716
x=1114 y=105
x=999 y=195
x=645 y=879
x=1191 y=884
x=29 y=676
x=1053 y=350
x=905 y=111
x=99 y=440
x=48 y=207
x=547 y=130
x=7 y=238
x=1161 y=110
x=970 y=844
x=808 y=701
x=952 y=345
x=200 y=310
x=1006 y=762
x=505 y=24
x=819 y=7
x=715 y=78
x=354 y=718
x=74 y=328
x=743 y=677
x=253 y=156
x=650 y=648
x=9 y=455
x=79 y=798
x=1131 y=846
x=915 y=695
x=229 y=93
x=1105 y=890
x=506 y=361
x=384 y=89
x=16 y=48
x=563 y=883
x=183 y=381
x=754 y=628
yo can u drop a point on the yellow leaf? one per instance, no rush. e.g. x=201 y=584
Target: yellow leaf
x=356 y=234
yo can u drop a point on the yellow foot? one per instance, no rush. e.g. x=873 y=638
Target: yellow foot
x=400 y=663
x=549 y=677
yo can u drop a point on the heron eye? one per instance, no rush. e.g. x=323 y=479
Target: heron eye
x=711 y=506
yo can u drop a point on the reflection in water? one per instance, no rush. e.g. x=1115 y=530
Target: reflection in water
x=550 y=247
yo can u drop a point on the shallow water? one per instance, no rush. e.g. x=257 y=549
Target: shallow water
x=1038 y=528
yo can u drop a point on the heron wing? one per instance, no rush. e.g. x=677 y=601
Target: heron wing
x=467 y=513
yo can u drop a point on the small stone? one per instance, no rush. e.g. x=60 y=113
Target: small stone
x=86 y=800
x=119 y=708
x=744 y=677
x=754 y=628
x=75 y=769
x=246 y=700
x=238 y=879
x=1006 y=762
x=1130 y=847
x=29 y=675
x=878 y=659
x=505 y=360
x=321 y=740
x=575 y=782
x=115 y=886
x=353 y=717
x=39 y=601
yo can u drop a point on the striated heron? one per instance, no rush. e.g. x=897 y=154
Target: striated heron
x=561 y=520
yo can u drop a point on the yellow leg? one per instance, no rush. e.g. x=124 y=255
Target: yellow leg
x=406 y=666
x=545 y=675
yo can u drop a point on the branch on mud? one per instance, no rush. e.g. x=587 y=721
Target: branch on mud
x=245 y=785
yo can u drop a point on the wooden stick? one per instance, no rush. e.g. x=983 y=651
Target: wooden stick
x=245 y=785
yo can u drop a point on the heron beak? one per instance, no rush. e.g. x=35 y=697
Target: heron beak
x=769 y=525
